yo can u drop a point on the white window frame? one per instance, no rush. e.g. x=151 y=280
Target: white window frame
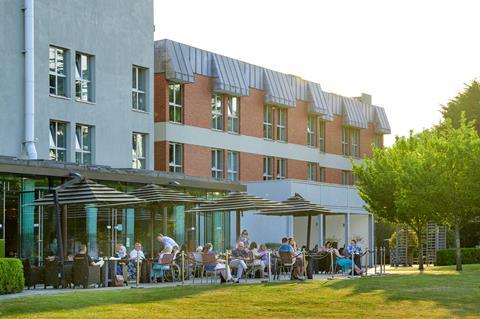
x=321 y=174
x=136 y=91
x=321 y=136
x=345 y=178
x=268 y=122
x=232 y=165
x=312 y=171
x=175 y=165
x=217 y=112
x=355 y=138
x=281 y=124
x=217 y=163
x=311 y=130
x=174 y=105
x=345 y=141
x=84 y=82
x=139 y=151
x=80 y=147
x=233 y=117
x=54 y=141
x=281 y=168
x=267 y=168
x=56 y=74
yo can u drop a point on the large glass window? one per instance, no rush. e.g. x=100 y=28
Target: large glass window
x=312 y=171
x=83 y=144
x=232 y=168
x=268 y=122
x=233 y=114
x=281 y=168
x=311 y=121
x=58 y=141
x=138 y=150
x=355 y=143
x=217 y=112
x=345 y=141
x=267 y=168
x=58 y=71
x=217 y=163
x=175 y=102
x=321 y=136
x=281 y=125
x=83 y=77
x=175 y=163
x=139 y=88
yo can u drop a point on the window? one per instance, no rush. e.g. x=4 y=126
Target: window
x=268 y=122
x=345 y=177
x=217 y=163
x=312 y=171
x=281 y=168
x=139 y=86
x=311 y=130
x=175 y=158
x=83 y=144
x=175 y=102
x=58 y=72
x=267 y=168
x=58 y=141
x=355 y=143
x=354 y=179
x=232 y=168
x=138 y=150
x=217 y=112
x=83 y=77
x=345 y=141
x=233 y=114
x=321 y=174
x=321 y=136
x=378 y=140
x=281 y=125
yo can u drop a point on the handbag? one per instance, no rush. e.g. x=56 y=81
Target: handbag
x=119 y=281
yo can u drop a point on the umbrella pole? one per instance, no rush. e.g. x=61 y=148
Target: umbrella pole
x=237 y=224
x=59 y=236
x=309 y=226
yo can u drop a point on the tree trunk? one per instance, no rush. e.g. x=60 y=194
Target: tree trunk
x=458 y=250
x=420 y=249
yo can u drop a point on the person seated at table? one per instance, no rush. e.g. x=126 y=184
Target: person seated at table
x=239 y=255
x=355 y=250
x=344 y=262
x=225 y=275
x=296 y=257
x=158 y=268
x=120 y=251
x=168 y=241
x=82 y=253
x=257 y=259
x=135 y=256
x=244 y=238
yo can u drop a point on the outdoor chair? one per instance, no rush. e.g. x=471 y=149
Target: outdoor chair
x=84 y=274
x=197 y=264
x=286 y=263
x=52 y=274
x=167 y=260
x=251 y=267
x=33 y=275
x=209 y=263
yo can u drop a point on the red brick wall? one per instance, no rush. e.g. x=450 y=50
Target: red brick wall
x=251 y=167
x=297 y=169
x=160 y=98
x=333 y=136
x=297 y=123
x=198 y=102
x=161 y=156
x=367 y=138
x=197 y=160
x=251 y=113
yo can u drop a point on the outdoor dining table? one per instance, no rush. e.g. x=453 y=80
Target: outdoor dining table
x=109 y=269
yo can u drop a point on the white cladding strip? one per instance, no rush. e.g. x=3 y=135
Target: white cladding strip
x=218 y=139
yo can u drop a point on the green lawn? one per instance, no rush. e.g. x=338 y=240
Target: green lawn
x=437 y=293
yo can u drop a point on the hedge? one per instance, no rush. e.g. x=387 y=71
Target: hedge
x=11 y=276
x=2 y=248
x=447 y=256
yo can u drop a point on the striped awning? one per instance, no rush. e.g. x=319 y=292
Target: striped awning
x=238 y=201
x=86 y=191
x=297 y=206
x=354 y=113
x=318 y=103
x=174 y=61
x=152 y=193
x=228 y=77
x=381 y=121
x=278 y=89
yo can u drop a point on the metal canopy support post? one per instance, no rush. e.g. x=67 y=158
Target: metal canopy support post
x=347 y=228
x=371 y=237
x=237 y=224
x=309 y=230
x=321 y=223
x=58 y=218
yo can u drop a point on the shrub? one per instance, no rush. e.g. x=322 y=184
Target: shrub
x=447 y=256
x=11 y=276
x=2 y=248
x=273 y=246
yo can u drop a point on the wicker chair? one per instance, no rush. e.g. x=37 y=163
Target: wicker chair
x=209 y=263
x=84 y=274
x=52 y=271
x=286 y=263
x=33 y=275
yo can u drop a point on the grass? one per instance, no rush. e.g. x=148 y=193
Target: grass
x=439 y=292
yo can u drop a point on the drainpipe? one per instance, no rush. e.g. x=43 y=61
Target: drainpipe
x=29 y=143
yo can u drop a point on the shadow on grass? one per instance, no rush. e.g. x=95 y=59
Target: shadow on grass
x=80 y=299
x=457 y=292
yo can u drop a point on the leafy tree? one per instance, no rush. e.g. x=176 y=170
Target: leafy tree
x=467 y=102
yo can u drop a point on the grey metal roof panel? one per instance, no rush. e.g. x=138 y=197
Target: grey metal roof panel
x=278 y=89
x=381 y=120
x=354 y=113
x=175 y=61
x=318 y=103
x=228 y=77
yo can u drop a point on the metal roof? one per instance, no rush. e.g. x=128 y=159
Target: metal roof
x=278 y=89
x=318 y=104
x=152 y=193
x=354 y=113
x=174 y=61
x=381 y=121
x=228 y=76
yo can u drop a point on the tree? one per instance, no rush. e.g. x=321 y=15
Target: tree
x=467 y=102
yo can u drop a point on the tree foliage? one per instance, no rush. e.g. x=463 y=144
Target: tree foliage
x=467 y=102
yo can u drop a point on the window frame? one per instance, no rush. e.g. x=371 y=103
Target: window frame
x=345 y=141
x=268 y=122
x=81 y=151
x=312 y=171
x=345 y=177
x=174 y=105
x=233 y=170
x=281 y=125
x=89 y=82
x=321 y=135
x=355 y=142
x=136 y=159
x=281 y=168
x=217 y=114
x=233 y=118
x=322 y=174
x=55 y=148
x=173 y=166
x=267 y=168
x=311 y=131
x=217 y=163
x=136 y=91
x=55 y=72
x=378 y=140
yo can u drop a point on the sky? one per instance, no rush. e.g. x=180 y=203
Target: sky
x=411 y=56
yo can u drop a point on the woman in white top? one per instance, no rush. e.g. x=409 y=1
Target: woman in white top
x=257 y=258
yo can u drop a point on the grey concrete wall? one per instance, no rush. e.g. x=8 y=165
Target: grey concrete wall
x=119 y=34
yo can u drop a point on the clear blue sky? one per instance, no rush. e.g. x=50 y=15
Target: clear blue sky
x=411 y=56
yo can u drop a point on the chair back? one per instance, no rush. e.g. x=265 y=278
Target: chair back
x=80 y=269
x=286 y=257
x=209 y=259
x=167 y=259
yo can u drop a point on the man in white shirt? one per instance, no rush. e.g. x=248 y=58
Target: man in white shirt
x=168 y=241
x=136 y=255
